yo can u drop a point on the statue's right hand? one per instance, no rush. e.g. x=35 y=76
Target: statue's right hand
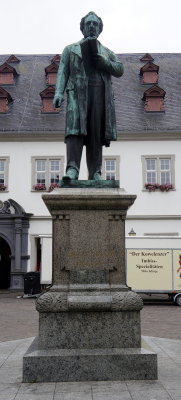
x=57 y=101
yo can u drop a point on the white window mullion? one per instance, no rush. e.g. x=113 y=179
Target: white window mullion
x=165 y=171
x=54 y=171
x=151 y=170
x=157 y=171
x=41 y=172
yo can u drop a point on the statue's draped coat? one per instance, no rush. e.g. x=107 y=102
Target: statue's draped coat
x=72 y=77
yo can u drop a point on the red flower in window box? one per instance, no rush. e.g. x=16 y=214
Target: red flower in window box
x=52 y=186
x=154 y=186
x=39 y=186
x=151 y=186
x=166 y=187
x=2 y=186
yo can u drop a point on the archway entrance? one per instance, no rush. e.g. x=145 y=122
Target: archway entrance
x=5 y=264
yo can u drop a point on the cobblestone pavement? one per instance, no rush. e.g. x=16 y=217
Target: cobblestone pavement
x=19 y=319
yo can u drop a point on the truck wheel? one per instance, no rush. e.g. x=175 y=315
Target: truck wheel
x=178 y=300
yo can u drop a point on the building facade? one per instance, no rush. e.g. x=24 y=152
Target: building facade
x=145 y=158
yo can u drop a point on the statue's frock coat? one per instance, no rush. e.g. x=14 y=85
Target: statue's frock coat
x=72 y=77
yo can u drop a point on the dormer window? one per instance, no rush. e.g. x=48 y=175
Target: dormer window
x=7 y=74
x=147 y=57
x=47 y=96
x=56 y=59
x=51 y=74
x=13 y=59
x=154 y=99
x=5 y=99
x=149 y=73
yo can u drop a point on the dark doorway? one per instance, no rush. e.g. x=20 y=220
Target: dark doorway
x=38 y=254
x=5 y=264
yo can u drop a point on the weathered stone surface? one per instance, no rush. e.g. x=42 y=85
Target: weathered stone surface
x=90 y=329
x=91 y=276
x=88 y=231
x=89 y=326
x=88 y=299
x=88 y=364
x=126 y=301
x=88 y=199
x=52 y=302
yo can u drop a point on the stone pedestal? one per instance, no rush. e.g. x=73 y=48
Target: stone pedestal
x=89 y=326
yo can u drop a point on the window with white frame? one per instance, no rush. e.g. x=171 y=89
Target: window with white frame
x=46 y=172
x=4 y=165
x=110 y=168
x=40 y=172
x=158 y=169
x=54 y=170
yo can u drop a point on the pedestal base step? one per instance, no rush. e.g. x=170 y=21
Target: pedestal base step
x=62 y=365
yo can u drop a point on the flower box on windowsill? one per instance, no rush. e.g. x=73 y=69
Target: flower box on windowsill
x=52 y=186
x=39 y=186
x=3 y=187
x=151 y=187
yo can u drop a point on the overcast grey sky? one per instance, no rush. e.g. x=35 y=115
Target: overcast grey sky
x=130 y=26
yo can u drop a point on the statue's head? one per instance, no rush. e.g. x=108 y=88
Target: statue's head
x=91 y=25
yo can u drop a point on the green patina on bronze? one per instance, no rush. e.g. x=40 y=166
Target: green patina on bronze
x=76 y=83
x=101 y=184
x=79 y=63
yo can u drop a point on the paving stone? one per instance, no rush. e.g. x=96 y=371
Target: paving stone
x=174 y=384
x=35 y=396
x=22 y=310
x=112 y=396
x=134 y=386
x=177 y=360
x=2 y=360
x=13 y=363
x=36 y=388
x=175 y=394
x=73 y=396
x=151 y=395
x=11 y=375
x=168 y=371
x=72 y=387
x=161 y=321
x=8 y=391
x=108 y=387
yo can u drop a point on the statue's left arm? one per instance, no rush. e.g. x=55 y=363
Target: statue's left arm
x=62 y=78
x=109 y=64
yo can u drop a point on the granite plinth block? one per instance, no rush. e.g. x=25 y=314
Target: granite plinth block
x=71 y=365
x=89 y=297
x=90 y=330
x=89 y=320
x=88 y=231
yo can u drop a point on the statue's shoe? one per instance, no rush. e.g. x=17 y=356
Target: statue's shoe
x=71 y=174
x=97 y=176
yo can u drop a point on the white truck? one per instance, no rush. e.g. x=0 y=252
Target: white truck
x=155 y=271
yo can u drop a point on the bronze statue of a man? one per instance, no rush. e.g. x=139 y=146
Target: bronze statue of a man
x=85 y=72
